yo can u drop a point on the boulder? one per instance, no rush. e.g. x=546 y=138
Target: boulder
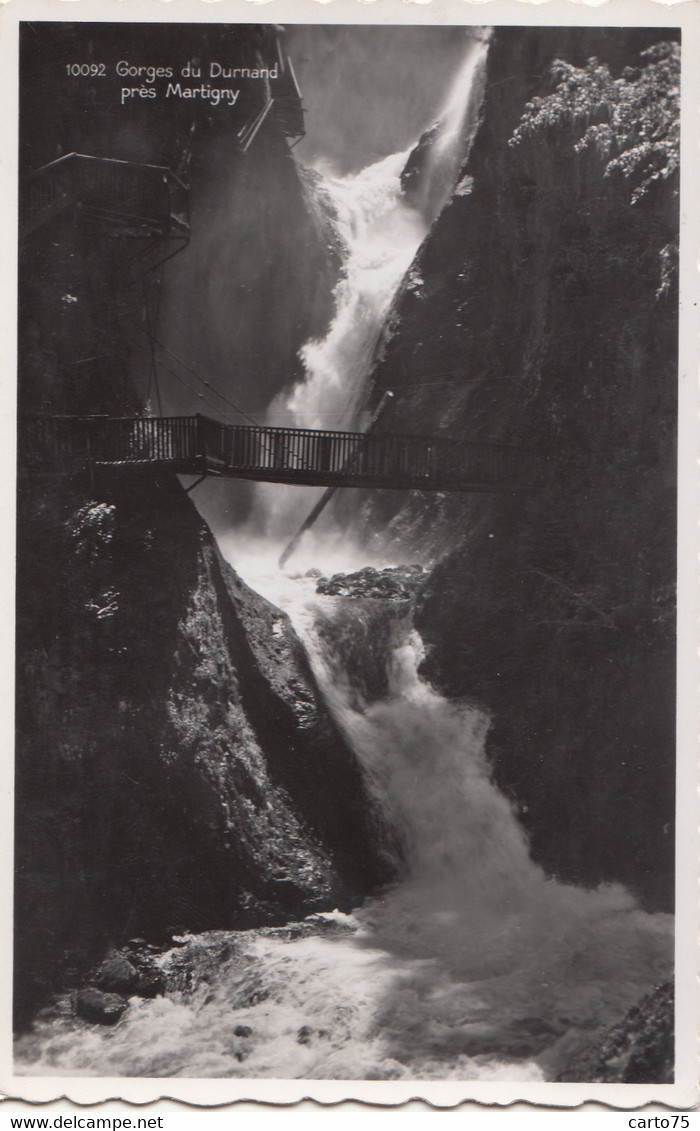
x=98 y=1007
x=117 y=976
x=151 y=982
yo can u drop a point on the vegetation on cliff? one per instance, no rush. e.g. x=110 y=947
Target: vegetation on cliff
x=632 y=121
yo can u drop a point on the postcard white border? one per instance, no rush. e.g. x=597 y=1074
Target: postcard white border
x=683 y=1095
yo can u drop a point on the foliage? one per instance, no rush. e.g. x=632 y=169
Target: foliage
x=631 y=121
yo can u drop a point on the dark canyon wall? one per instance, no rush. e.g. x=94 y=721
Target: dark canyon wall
x=175 y=765
x=542 y=311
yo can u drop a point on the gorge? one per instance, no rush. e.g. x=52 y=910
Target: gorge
x=361 y=837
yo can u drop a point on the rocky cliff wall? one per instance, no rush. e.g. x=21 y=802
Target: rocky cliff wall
x=542 y=312
x=175 y=765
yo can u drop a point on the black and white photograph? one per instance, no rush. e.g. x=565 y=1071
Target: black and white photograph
x=346 y=507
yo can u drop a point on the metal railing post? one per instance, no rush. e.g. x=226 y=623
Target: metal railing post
x=202 y=443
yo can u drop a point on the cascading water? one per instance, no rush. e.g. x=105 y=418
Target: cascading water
x=475 y=965
x=380 y=233
x=380 y=228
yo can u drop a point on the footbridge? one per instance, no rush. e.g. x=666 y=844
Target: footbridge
x=200 y=446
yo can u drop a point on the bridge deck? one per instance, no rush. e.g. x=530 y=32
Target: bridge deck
x=196 y=445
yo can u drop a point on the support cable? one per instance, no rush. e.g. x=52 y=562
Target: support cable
x=303 y=465
x=208 y=385
x=187 y=385
x=203 y=381
x=150 y=331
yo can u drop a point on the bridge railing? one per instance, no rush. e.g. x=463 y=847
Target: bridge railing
x=417 y=459
x=371 y=457
x=285 y=449
x=95 y=439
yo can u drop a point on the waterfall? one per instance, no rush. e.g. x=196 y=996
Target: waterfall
x=380 y=227
x=381 y=232
x=477 y=964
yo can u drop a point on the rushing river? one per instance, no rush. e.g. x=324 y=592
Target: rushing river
x=475 y=965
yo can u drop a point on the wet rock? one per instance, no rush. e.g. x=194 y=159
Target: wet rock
x=304 y=1035
x=413 y=183
x=136 y=974
x=640 y=1050
x=198 y=963
x=357 y=637
x=313 y=925
x=117 y=976
x=243 y=1031
x=98 y=1007
x=141 y=950
x=151 y=983
x=313 y=572
x=256 y=997
x=144 y=737
x=393 y=583
x=505 y=288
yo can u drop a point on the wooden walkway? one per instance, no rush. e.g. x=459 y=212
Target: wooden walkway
x=196 y=445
